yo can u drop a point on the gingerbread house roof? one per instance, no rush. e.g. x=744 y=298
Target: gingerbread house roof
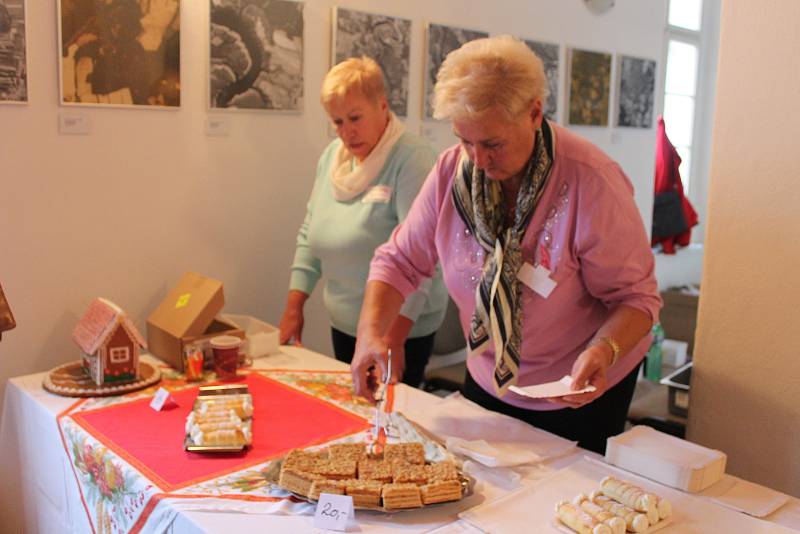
x=99 y=322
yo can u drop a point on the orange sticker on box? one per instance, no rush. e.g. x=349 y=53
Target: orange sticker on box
x=182 y=301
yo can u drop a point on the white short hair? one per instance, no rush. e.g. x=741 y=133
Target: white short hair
x=487 y=73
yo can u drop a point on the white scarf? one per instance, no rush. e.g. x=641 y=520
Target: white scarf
x=350 y=178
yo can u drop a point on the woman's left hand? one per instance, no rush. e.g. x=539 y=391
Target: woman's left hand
x=589 y=369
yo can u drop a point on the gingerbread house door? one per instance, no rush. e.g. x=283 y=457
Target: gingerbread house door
x=120 y=361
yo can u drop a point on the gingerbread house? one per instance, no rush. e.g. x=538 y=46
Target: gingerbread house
x=110 y=343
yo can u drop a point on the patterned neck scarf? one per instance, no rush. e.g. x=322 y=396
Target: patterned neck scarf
x=479 y=202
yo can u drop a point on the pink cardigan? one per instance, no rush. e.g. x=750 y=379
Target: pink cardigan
x=586 y=229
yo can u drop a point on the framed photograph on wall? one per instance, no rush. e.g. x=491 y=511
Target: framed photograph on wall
x=385 y=39
x=589 y=87
x=550 y=54
x=256 y=55
x=120 y=53
x=441 y=40
x=636 y=92
x=13 y=63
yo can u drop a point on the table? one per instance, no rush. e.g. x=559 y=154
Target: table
x=39 y=491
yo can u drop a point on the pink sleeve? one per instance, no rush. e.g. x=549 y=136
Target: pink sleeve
x=617 y=263
x=409 y=256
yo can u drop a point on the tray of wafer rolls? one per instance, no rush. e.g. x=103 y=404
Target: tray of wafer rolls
x=221 y=420
x=615 y=508
x=398 y=479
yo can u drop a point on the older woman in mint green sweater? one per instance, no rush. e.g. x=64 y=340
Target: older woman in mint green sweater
x=366 y=181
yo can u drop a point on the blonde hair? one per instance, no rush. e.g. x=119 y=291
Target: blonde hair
x=362 y=75
x=496 y=71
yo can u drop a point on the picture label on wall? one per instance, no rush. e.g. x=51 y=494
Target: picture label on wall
x=589 y=86
x=636 y=95
x=256 y=56
x=385 y=39
x=441 y=41
x=13 y=68
x=549 y=54
x=120 y=52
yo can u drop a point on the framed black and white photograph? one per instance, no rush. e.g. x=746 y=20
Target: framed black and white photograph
x=256 y=55
x=385 y=39
x=589 y=87
x=550 y=54
x=13 y=66
x=441 y=41
x=120 y=52
x=636 y=94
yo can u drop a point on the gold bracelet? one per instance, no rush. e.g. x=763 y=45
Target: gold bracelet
x=614 y=348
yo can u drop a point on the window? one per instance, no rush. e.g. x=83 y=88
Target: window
x=685 y=14
x=119 y=355
x=680 y=82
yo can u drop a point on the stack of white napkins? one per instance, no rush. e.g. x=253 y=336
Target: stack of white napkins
x=747 y=497
x=493 y=439
x=666 y=459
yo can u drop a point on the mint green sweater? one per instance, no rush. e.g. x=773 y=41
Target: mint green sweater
x=337 y=239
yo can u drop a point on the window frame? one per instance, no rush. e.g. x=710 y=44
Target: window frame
x=113 y=352
x=706 y=40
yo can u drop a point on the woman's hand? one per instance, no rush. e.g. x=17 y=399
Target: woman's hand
x=398 y=359
x=370 y=365
x=291 y=325
x=378 y=313
x=589 y=369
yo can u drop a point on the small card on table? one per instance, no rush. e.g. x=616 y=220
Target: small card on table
x=161 y=400
x=334 y=512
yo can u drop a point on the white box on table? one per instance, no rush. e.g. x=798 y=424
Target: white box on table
x=666 y=459
x=262 y=338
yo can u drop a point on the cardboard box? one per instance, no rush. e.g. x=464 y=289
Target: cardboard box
x=187 y=315
x=678 y=317
x=262 y=339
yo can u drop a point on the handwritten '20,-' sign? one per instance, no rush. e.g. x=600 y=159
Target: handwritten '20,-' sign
x=333 y=511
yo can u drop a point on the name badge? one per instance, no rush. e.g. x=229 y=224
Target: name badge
x=537 y=278
x=378 y=194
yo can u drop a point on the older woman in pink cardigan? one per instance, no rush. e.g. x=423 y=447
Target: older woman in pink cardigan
x=542 y=249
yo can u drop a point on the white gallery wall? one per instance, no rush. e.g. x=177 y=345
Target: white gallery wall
x=124 y=211
x=745 y=387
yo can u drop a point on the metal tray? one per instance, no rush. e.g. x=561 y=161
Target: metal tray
x=467 y=488
x=213 y=391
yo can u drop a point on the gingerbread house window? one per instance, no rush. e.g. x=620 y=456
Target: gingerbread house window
x=119 y=354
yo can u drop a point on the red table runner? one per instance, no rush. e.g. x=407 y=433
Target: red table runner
x=283 y=418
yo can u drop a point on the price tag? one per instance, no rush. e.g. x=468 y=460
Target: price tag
x=161 y=399
x=334 y=512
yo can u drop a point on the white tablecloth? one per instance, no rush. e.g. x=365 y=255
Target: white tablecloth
x=38 y=492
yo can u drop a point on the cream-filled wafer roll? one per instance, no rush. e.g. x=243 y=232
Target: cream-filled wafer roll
x=220 y=437
x=664 y=507
x=630 y=495
x=195 y=418
x=216 y=425
x=617 y=524
x=634 y=521
x=243 y=406
x=580 y=521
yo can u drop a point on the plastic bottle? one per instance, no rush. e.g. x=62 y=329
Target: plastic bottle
x=652 y=366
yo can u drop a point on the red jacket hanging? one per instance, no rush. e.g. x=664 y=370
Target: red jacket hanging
x=667 y=173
